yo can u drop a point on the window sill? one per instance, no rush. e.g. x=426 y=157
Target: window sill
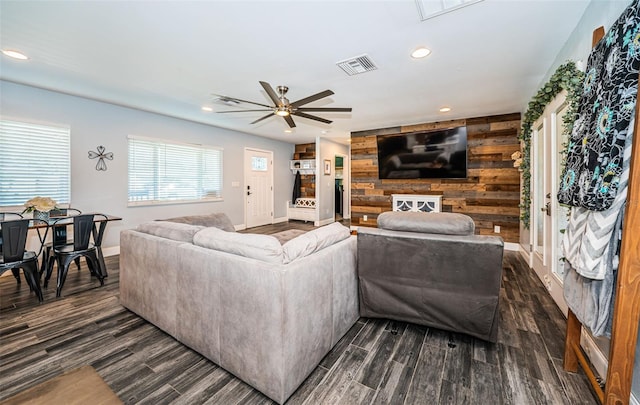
x=171 y=202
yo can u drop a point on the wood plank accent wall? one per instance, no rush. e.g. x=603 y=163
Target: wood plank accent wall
x=490 y=194
x=308 y=181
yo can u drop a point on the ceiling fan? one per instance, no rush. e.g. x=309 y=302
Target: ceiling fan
x=283 y=108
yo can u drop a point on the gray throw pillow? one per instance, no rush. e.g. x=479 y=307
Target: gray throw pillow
x=314 y=240
x=261 y=247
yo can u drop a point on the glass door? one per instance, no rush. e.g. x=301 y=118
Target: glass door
x=548 y=218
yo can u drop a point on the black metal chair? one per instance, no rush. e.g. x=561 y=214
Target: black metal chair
x=14 y=254
x=59 y=235
x=4 y=216
x=83 y=230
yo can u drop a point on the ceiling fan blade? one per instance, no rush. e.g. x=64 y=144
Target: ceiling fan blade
x=243 y=101
x=235 y=111
x=263 y=118
x=271 y=93
x=290 y=121
x=311 y=117
x=327 y=109
x=309 y=99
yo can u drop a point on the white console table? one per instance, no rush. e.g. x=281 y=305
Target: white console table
x=417 y=203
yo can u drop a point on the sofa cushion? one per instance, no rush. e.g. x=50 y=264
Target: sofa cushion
x=314 y=240
x=445 y=223
x=170 y=230
x=261 y=247
x=217 y=219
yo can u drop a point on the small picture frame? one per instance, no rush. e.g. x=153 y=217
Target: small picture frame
x=327 y=167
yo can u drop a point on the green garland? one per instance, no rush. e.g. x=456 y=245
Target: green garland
x=568 y=78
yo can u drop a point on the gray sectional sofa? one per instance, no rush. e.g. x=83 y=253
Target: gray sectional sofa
x=266 y=312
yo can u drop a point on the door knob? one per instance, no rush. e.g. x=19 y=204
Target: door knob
x=546 y=209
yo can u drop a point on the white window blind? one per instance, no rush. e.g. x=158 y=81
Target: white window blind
x=34 y=161
x=163 y=172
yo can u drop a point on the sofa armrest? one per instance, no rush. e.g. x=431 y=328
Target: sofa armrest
x=148 y=277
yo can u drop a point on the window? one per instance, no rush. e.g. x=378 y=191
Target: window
x=162 y=172
x=34 y=161
x=258 y=164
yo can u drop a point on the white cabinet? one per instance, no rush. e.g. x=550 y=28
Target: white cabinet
x=304 y=209
x=417 y=203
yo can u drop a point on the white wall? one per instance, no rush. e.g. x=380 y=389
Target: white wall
x=96 y=123
x=598 y=13
x=325 y=184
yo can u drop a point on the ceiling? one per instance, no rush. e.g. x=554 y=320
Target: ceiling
x=169 y=57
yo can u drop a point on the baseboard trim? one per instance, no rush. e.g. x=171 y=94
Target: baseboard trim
x=514 y=247
x=111 y=251
x=524 y=253
x=240 y=227
x=279 y=220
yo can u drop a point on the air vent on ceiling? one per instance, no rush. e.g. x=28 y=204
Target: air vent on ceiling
x=357 y=65
x=428 y=8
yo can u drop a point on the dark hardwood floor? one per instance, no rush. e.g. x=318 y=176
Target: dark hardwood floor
x=377 y=362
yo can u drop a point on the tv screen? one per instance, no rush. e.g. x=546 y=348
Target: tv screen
x=440 y=154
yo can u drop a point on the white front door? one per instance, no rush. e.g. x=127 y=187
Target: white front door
x=548 y=218
x=258 y=187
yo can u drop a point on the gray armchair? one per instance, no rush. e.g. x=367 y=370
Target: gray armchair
x=430 y=269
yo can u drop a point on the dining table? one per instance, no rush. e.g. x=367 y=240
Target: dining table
x=100 y=221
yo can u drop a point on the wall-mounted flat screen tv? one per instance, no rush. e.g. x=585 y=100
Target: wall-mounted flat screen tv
x=440 y=154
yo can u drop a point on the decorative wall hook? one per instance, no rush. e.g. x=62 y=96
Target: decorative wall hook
x=101 y=155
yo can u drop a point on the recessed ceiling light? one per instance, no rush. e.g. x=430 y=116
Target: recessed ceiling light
x=445 y=109
x=15 y=54
x=288 y=131
x=207 y=109
x=420 y=53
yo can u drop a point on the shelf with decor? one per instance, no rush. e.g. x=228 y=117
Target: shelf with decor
x=304 y=166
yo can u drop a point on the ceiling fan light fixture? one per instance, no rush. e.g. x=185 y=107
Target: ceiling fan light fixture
x=283 y=108
x=206 y=109
x=282 y=111
x=420 y=53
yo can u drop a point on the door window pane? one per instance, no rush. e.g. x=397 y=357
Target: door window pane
x=539 y=200
x=258 y=164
